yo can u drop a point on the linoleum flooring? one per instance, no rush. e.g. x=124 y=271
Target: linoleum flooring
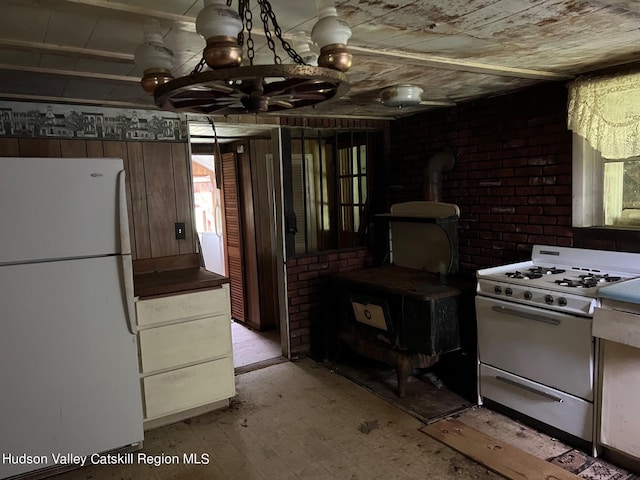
x=252 y=347
x=302 y=421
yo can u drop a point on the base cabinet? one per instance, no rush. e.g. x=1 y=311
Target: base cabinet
x=617 y=324
x=620 y=423
x=186 y=360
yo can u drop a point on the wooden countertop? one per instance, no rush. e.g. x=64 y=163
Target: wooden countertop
x=176 y=281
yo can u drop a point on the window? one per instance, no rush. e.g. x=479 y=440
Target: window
x=606 y=192
x=330 y=188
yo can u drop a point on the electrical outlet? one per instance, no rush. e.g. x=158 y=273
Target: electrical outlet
x=180 y=232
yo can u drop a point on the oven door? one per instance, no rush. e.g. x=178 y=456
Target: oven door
x=548 y=347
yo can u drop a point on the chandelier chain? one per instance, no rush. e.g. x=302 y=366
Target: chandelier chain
x=278 y=31
x=242 y=5
x=248 y=22
x=264 y=16
x=198 y=68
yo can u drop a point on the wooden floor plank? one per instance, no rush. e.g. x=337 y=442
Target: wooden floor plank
x=497 y=456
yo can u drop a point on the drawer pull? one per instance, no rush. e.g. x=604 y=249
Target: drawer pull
x=530 y=389
x=527 y=315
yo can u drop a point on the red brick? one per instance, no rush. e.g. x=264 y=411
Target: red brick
x=298 y=300
x=542 y=200
x=307 y=275
x=307 y=260
x=298 y=316
x=529 y=228
x=300 y=332
x=297 y=269
x=318 y=266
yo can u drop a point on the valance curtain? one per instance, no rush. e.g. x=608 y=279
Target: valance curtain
x=605 y=110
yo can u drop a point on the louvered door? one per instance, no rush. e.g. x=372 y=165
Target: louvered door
x=233 y=236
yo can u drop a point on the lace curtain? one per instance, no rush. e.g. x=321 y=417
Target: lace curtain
x=606 y=112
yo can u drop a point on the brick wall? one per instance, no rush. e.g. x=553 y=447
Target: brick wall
x=512 y=184
x=513 y=178
x=308 y=278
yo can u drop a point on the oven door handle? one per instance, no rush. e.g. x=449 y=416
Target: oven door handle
x=529 y=389
x=527 y=315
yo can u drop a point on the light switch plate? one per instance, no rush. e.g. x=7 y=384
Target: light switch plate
x=180 y=231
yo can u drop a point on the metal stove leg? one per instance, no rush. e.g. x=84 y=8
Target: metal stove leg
x=404 y=366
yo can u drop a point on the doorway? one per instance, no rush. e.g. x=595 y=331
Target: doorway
x=230 y=195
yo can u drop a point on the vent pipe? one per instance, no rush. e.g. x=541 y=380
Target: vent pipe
x=441 y=161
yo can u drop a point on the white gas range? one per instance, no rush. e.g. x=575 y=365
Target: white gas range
x=536 y=353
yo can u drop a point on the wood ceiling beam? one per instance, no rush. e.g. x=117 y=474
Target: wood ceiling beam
x=398 y=56
x=65 y=49
x=135 y=11
x=185 y=21
x=74 y=101
x=71 y=73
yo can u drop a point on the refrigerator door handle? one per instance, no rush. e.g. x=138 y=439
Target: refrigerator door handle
x=123 y=215
x=127 y=272
x=125 y=253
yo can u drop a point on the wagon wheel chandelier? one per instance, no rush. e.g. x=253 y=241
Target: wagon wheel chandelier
x=231 y=88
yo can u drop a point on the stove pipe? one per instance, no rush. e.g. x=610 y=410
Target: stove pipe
x=441 y=161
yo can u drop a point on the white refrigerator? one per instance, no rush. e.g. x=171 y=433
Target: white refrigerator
x=69 y=380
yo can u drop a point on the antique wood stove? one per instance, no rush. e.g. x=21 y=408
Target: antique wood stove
x=404 y=313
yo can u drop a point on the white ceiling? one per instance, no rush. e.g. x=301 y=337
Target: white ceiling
x=81 y=51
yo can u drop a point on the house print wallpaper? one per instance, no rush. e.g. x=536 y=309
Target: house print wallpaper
x=23 y=119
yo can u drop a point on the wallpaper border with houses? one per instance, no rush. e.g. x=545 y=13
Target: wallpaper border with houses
x=41 y=120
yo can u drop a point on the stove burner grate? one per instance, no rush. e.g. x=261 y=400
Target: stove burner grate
x=534 y=272
x=587 y=281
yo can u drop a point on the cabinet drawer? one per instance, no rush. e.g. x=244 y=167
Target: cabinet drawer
x=182 y=343
x=188 y=387
x=553 y=407
x=206 y=303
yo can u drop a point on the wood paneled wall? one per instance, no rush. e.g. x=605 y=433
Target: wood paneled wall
x=159 y=186
x=262 y=179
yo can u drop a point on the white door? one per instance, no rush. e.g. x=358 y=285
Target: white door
x=68 y=363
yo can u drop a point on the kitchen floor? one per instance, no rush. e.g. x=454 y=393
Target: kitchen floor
x=302 y=421
x=252 y=347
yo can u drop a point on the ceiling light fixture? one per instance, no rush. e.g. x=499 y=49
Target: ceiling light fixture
x=153 y=57
x=400 y=96
x=231 y=87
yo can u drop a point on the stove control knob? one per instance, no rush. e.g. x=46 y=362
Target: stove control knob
x=527 y=295
x=548 y=299
x=508 y=291
x=562 y=302
x=497 y=289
